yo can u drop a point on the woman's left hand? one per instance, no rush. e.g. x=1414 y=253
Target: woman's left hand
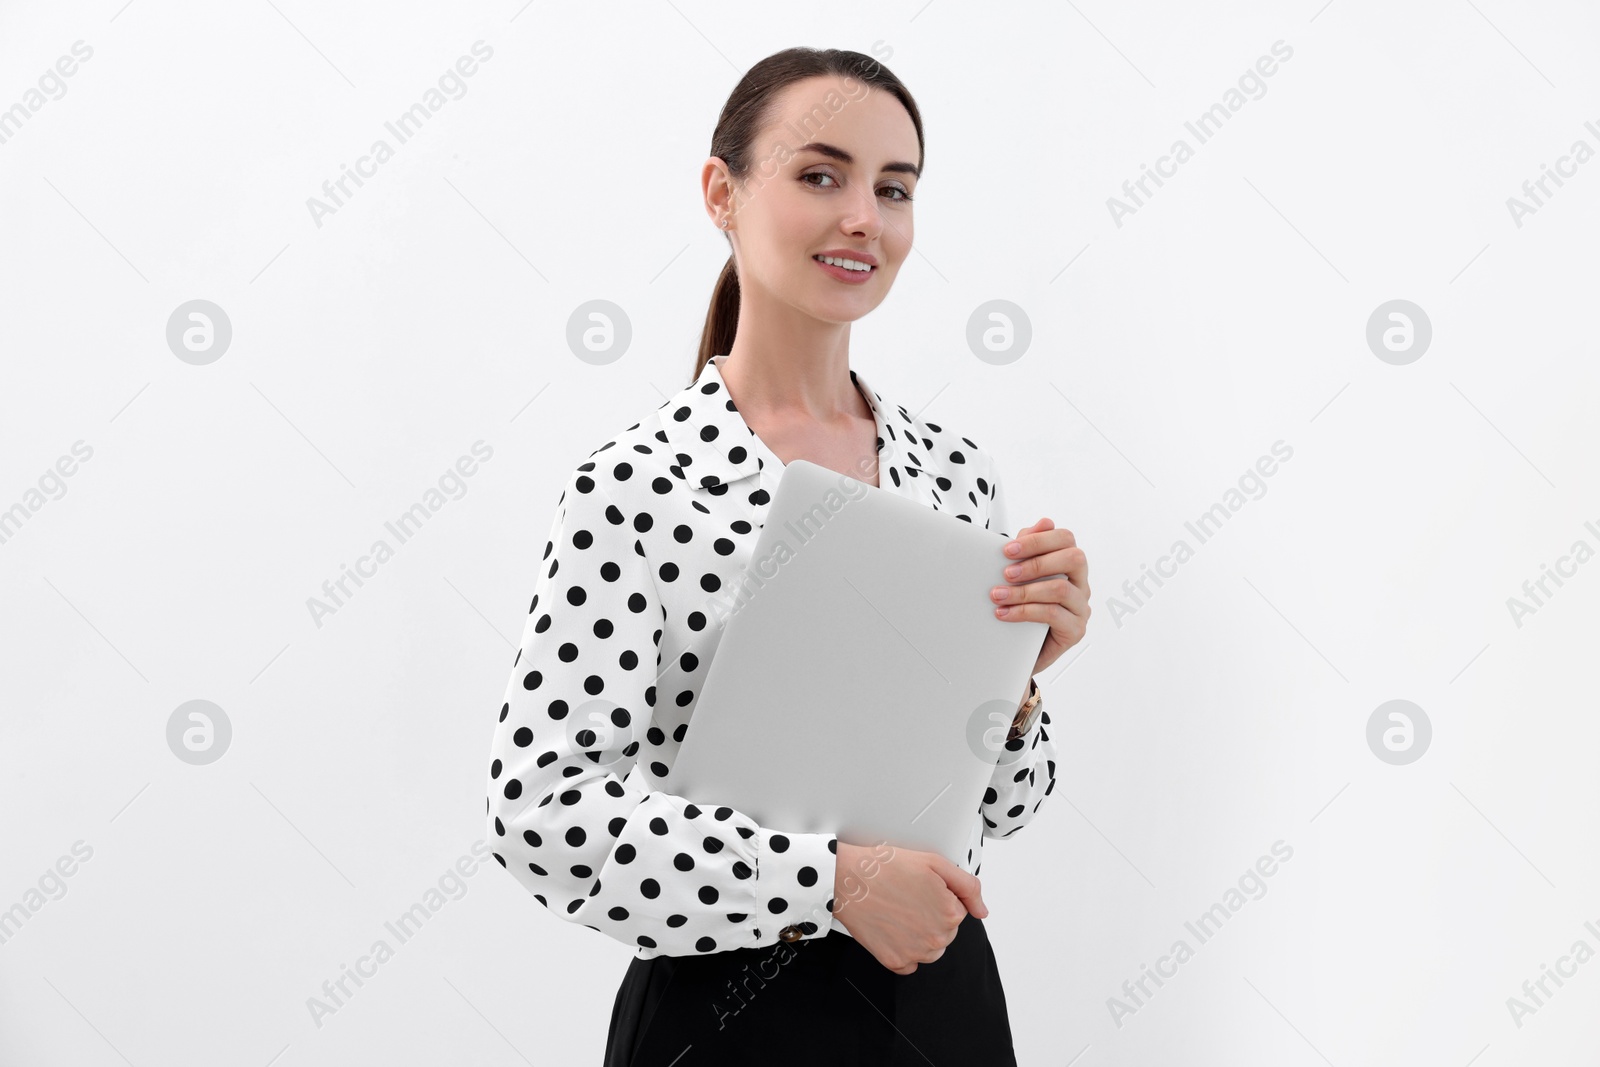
x=1038 y=550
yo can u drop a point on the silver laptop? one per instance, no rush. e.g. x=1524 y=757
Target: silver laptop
x=862 y=685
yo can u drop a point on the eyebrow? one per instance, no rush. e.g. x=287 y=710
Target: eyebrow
x=835 y=152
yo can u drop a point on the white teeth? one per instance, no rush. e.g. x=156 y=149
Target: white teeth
x=847 y=264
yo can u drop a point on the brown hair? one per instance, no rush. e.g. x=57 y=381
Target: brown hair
x=746 y=112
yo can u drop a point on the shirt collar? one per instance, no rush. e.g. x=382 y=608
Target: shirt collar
x=716 y=448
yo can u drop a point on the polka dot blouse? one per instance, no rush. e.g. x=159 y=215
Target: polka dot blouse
x=618 y=638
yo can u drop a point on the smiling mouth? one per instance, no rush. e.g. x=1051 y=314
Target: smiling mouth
x=851 y=265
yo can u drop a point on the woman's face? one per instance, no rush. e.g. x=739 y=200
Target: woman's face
x=830 y=173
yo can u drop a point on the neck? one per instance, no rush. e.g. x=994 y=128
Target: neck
x=789 y=367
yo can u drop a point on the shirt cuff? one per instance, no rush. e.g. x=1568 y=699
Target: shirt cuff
x=794 y=884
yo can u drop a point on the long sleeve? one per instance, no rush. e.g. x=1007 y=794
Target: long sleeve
x=1026 y=772
x=1024 y=777
x=568 y=813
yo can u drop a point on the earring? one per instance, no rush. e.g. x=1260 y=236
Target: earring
x=724 y=222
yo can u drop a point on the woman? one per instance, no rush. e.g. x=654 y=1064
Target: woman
x=757 y=944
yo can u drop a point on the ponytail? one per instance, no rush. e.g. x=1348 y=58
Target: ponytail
x=716 y=339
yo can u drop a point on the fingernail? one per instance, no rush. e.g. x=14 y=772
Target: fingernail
x=1013 y=570
x=1013 y=548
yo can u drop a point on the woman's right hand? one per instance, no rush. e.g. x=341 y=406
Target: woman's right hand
x=903 y=906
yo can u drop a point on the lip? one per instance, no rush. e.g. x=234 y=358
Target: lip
x=844 y=253
x=848 y=277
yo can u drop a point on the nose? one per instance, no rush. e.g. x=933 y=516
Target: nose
x=866 y=220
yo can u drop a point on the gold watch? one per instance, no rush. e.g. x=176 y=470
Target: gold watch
x=1027 y=713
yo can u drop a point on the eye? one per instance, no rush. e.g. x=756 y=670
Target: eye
x=903 y=198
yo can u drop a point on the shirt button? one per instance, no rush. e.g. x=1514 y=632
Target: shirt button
x=791 y=933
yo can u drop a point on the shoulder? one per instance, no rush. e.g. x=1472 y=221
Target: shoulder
x=631 y=465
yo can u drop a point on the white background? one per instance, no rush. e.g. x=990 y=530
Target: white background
x=1168 y=353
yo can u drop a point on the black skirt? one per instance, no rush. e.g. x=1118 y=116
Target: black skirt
x=822 y=1000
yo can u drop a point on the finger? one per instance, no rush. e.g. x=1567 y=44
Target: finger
x=1069 y=560
x=966 y=888
x=1042 y=536
x=973 y=899
x=1043 y=553
x=1068 y=581
x=1057 y=616
x=1048 y=591
x=1016 y=539
x=1076 y=603
x=975 y=905
x=1037 y=554
x=1017 y=547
